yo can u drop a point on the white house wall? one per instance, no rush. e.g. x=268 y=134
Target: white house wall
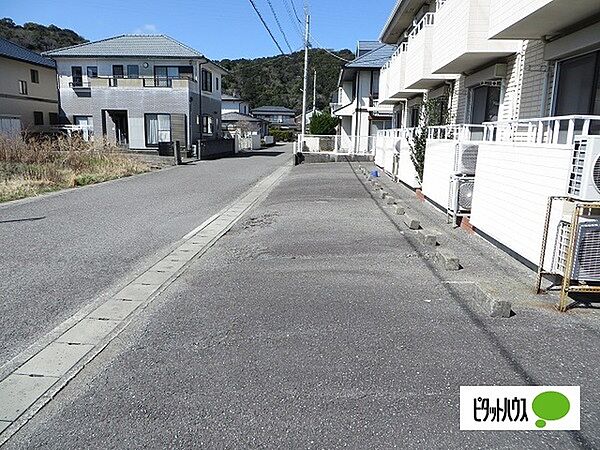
x=439 y=164
x=512 y=187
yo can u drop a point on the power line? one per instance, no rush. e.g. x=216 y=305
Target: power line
x=266 y=26
x=295 y=10
x=324 y=49
x=279 y=25
x=297 y=23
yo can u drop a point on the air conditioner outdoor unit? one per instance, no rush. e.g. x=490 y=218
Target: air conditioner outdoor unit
x=584 y=179
x=461 y=195
x=586 y=262
x=465 y=158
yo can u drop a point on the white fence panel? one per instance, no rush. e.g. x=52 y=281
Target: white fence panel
x=512 y=187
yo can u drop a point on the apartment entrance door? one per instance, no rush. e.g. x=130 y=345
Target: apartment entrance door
x=116 y=127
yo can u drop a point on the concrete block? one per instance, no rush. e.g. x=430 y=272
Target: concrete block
x=411 y=223
x=493 y=307
x=55 y=360
x=114 y=310
x=19 y=392
x=447 y=259
x=88 y=331
x=152 y=277
x=390 y=200
x=383 y=194
x=428 y=238
x=400 y=210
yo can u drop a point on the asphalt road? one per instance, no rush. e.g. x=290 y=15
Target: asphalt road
x=315 y=323
x=60 y=252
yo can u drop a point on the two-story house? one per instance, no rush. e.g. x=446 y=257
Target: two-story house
x=277 y=116
x=28 y=94
x=358 y=107
x=140 y=90
x=234 y=104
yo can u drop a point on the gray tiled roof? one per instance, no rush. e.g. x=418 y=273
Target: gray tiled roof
x=273 y=109
x=375 y=59
x=366 y=46
x=14 y=51
x=239 y=117
x=130 y=45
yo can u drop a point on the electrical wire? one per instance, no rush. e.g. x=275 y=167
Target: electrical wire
x=266 y=27
x=279 y=25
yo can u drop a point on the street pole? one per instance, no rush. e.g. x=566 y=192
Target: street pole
x=304 y=96
x=315 y=94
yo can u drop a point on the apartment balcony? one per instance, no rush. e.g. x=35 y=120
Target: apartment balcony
x=140 y=83
x=534 y=19
x=392 y=86
x=419 y=73
x=460 y=37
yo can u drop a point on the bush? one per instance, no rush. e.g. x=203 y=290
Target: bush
x=323 y=124
x=283 y=135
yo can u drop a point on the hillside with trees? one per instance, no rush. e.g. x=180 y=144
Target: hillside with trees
x=38 y=38
x=278 y=80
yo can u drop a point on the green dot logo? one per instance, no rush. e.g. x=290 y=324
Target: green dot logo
x=550 y=406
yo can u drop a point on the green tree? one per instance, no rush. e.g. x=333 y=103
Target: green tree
x=323 y=124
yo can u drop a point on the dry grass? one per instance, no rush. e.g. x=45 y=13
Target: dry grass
x=33 y=166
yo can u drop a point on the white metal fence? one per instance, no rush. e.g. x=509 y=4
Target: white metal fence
x=336 y=145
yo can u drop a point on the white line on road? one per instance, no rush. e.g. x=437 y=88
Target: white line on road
x=26 y=389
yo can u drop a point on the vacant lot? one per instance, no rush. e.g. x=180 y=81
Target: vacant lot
x=33 y=166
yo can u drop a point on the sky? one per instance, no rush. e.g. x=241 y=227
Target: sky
x=218 y=28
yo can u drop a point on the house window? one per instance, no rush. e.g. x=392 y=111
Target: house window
x=133 y=71
x=207 y=125
x=35 y=76
x=77 y=75
x=158 y=129
x=485 y=104
x=53 y=118
x=207 y=83
x=92 y=71
x=578 y=90
x=217 y=83
x=415 y=113
x=38 y=118
x=22 y=87
x=118 y=71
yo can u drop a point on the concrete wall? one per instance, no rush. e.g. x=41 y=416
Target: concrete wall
x=512 y=187
x=42 y=96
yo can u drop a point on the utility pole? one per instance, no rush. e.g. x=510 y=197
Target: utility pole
x=304 y=96
x=315 y=93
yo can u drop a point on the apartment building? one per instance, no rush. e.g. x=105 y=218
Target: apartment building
x=140 y=90
x=515 y=85
x=28 y=94
x=358 y=104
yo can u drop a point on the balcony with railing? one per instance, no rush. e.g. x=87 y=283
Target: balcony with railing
x=392 y=86
x=418 y=73
x=460 y=37
x=516 y=19
x=142 y=82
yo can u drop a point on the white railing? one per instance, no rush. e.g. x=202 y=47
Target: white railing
x=336 y=145
x=457 y=132
x=561 y=130
x=426 y=21
x=439 y=4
